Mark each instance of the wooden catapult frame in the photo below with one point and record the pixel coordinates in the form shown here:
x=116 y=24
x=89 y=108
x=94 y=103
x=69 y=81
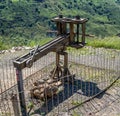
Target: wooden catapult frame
x=61 y=24
x=68 y=31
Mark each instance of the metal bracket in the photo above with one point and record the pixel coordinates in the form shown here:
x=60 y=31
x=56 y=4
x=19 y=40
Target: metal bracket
x=29 y=63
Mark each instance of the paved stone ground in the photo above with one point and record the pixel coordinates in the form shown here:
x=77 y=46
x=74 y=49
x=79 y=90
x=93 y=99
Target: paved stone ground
x=111 y=103
x=107 y=105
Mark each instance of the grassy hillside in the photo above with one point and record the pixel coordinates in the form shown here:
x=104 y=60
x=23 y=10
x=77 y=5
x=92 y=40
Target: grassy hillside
x=27 y=21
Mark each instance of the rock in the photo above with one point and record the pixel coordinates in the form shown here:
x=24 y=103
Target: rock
x=36 y=93
x=38 y=82
x=49 y=81
x=51 y=91
x=42 y=89
x=34 y=88
x=12 y=51
x=58 y=83
x=27 y=48
x=45 y=85
x=41 y=86
x=2 y=51
x=6 y=51
x=18 y=48
x=41 y=81
x=35 y=83
x=56 y=78
x=13 y=48
x=42 y=96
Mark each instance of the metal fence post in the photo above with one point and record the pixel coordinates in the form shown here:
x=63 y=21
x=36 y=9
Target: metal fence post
x=21 y=92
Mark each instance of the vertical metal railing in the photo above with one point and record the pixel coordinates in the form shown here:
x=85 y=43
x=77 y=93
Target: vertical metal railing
x=94 y=70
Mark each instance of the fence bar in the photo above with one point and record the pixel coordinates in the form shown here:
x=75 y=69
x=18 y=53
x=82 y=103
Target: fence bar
x=21 y=91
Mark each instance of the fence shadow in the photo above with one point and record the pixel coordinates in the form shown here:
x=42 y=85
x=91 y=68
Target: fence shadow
x=80 y=87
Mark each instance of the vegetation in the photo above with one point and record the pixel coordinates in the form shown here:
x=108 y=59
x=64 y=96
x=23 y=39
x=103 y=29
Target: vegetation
x=25 y=22
x=75 y=102
x=107 y=42
x=76 y=114
x=40 y=42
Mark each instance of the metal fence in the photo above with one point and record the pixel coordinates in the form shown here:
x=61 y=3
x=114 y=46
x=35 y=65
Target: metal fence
x=94 y=70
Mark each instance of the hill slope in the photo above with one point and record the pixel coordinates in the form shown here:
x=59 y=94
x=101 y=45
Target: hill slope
x=21 y=21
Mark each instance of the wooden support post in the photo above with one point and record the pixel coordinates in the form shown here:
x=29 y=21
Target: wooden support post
x=15 y=105
x=83 y=33
x=77 y=33
x=21 y=92
x=57 y=63
x=65 y=66
x=78 y=18
x=60 y=24
x=68 y=77
x=66 y=70
x=71 y=32
x=64 y=28
x=57 y=58
x=65 y=60
x=58 y=28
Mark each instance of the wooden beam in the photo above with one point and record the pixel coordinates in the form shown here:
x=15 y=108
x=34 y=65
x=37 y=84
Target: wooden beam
x=64 y=28
x=53 y=45
x=71 y=32
x=57 y=58
x=83 y=33
x=65 y=60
